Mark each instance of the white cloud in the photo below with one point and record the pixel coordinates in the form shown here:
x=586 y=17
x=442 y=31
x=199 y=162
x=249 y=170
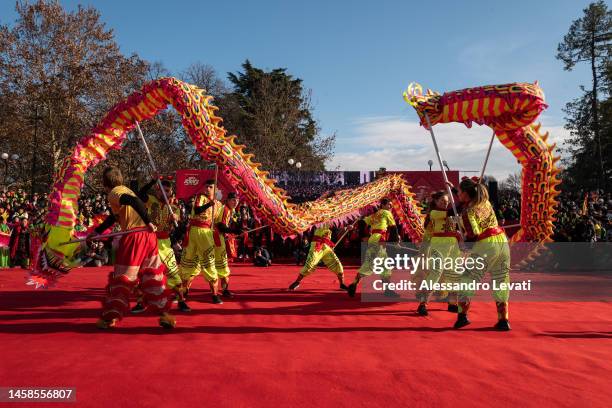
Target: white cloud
x=400 y=144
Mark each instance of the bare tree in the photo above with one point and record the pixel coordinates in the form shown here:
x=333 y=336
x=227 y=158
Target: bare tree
x=512 y=183
x=59 y=72
x=204 y=76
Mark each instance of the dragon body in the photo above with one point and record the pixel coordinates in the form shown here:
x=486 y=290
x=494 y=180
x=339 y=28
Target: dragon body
x=269 y=202
x=510 y=110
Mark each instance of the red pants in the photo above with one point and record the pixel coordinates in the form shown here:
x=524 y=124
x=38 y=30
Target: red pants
x=137 y=264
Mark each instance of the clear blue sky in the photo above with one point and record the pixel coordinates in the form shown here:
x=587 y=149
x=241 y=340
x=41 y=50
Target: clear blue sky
x=358 y=56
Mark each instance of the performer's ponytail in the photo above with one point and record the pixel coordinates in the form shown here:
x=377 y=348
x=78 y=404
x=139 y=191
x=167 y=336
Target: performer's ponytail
x=482 y=193
x=476 y=190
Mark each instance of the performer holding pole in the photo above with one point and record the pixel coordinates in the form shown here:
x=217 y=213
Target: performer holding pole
x=223 y=226
x=137 y=260
x=443 y=244
x=382 y=225
x=163 y=219
x=154 y=168
x=322 y=249
x=439 y=156
x=199 y=250
x=490 y=245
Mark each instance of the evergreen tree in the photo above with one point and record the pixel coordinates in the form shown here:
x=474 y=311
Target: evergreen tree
x=271 y=113
x=589 y=40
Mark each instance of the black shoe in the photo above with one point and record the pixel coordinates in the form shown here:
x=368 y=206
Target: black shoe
x=453 y=308
x=227 y=293
x=183 y=306
x=422 y=310
x=352 y=289
x=503 y=325
x=216 y=299
x=139 y=308
x=462 y=321
x=391 y=293
x=294 y=286
x=343 y=287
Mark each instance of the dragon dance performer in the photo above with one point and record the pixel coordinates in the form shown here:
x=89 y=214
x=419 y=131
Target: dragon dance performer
x=223 y=226
x=443 y=243
x=490 y=244
x=321 y=249
x=137 y=262
x=164 y=221
x=199 y=252
x=383 y=229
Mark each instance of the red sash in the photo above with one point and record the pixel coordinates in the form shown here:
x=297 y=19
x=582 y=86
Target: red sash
x=217 y=237
x=320 y=241
x=490 y=232
x=194 y=223
x=447 y=235
x=201 y=224
x=162 y=234
x=383 y=234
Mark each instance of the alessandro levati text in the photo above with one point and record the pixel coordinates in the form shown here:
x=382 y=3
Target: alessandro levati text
x=406 y=285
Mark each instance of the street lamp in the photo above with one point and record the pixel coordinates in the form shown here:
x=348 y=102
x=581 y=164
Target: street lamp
x=5 y=157
x=298 y=165
x=445 y=164
x=430 y=162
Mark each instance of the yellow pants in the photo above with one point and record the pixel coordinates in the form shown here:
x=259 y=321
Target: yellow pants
x=439 y=250
x=375 y=249
x=221 y=263
x=496 y=252
x=199 y=256
x=327 y=255
x=166 y=254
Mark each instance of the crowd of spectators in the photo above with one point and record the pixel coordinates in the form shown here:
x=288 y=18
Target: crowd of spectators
x=580 y=218
x=302 y=192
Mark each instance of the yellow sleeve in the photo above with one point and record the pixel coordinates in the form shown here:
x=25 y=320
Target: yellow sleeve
x=470 y=224
x=390 y=219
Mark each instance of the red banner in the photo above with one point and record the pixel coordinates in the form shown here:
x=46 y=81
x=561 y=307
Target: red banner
x=191 y=182
x=423 y=183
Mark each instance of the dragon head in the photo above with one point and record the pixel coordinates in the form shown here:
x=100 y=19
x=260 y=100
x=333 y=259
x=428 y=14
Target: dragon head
x=428 y=103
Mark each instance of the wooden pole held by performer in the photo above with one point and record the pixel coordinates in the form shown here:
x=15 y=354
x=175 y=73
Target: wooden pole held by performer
x=255 y=229
x=346 y=232
x=212 y=220
x=484 y=166
x=446 y=182
x=99 y=237
x=159 y=183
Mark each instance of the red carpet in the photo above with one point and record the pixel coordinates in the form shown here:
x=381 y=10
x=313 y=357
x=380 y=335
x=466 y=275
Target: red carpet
x=315 y=347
